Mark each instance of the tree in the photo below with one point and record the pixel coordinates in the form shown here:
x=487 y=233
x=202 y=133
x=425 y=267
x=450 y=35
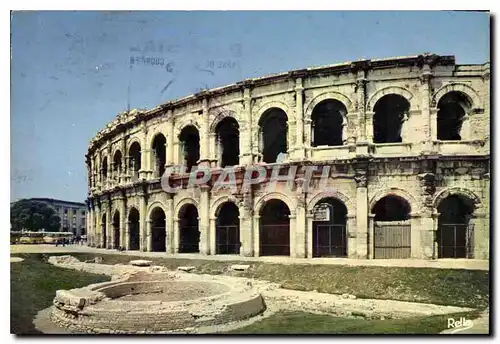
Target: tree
x=34 y=216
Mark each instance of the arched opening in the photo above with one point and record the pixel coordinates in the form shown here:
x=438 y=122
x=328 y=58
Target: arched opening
x=190 y=146
x=327 y=123
x=275 y=229
x=105 y=168
x=189 y=231
x=158 y=230
x=392 y=228
x=135 y=159
x=330 y=229
x=116 y=230
x=455 y=232
x=228 y=229
x=228 y=142
x=390 y=113
x=104 y=234
x=134 y=233
x=273 y=129
x=453 y=107
x=117 y=164
x=159 y=154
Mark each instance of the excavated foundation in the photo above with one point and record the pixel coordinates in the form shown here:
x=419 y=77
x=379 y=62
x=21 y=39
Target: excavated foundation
x=155 y=302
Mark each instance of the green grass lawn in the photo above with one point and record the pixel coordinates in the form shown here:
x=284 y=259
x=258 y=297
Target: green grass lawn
x=307 y=323
x=34 y=283
x=463 y=288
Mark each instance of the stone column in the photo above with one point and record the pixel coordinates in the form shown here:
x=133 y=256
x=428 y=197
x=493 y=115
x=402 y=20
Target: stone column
x=362 y=211
x=256 y=231
x=369 y=126
x=426 y=114
x=309 y=220
x=142 y=222
x=109 y=227
x=352 y=237
x=300 y=222
x=427 y=234
x=127 y=235
x=371 y=236
x=212 y=236
x=123 y=223
x=246 y=225
x=149 y=237
x=90 y=224
x=204 y=136
x=246 y=131
x=204 y=220
x=215 y=154
x=299 y=119
x=145 y=153
x=293 y=229
x=416 y=249
x=361 y=100
x=481 y=237
x=176 y=235
x=124 y=170
x=433 y=124
x=169 y=224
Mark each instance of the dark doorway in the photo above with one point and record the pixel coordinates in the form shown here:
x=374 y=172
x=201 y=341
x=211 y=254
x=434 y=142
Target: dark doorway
x=158 y=230
x=455 y=232
x=330 y=237
x=104 y=168
x=116 y=230
x=159 y=151
x=452 y=109
x=117 y=165
x=228 y=229
x=392 y=228
x=228 y=142
x=327 y=119
x=388 y=119
x=190 y=146
x=134 y=232
x=275 y=229
x=189 y=230
x=273 y=134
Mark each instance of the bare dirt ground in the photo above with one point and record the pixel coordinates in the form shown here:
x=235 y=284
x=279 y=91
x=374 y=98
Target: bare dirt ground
x=468 y=264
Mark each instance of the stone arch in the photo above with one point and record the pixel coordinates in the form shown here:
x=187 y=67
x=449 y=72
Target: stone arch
x=269 y=105
x=466 y=90
x=131 y=142
x=184 y=123
x=326 y=96
x=217 y=204
x=129 y=210
x=276 y=195
x=182 y=203
x=443 y=194
x=332 y=194
x=403 y=92
x=154 y=135
x=153 y=205
x=414 y=209
x=222 y=114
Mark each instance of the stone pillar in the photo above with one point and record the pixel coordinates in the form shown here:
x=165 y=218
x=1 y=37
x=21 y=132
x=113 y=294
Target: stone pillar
x=127 y=236
x=176 y=235
x=300 y=234
x=149 y=237
x=123 y=223
x=90 y=224
x=369 y=126
x=170 y=159
x=256 y=232
x=427 y=234
x=145 y=153
x=309 y=234
x=215 y=154
x=352 y=236
x=246 y=225
x=97 y=238
x=426 y=114
x=124 y=170
x=362 y=211
x=204 y=220
x=169 y=225
x=109 y=226
x=246 y=144
x=465 y=132
x=481 y=236
x=371 y=236
x=361 y=100
x=212 y=235
x=435 y=245
x=204 y=136
x=299 y=120
x=142 y=222
x=293 y=230
x=416 y=229
x=433 y=124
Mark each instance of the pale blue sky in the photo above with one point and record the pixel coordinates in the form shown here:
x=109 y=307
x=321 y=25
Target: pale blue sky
x=71 y=70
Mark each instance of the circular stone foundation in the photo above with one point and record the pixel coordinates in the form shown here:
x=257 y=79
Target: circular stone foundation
x=152 y=303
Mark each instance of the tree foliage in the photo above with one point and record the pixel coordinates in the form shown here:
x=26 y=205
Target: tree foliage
x=33 y=216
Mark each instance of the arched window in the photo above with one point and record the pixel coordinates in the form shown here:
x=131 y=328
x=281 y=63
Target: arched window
x=135 y=158
x=327 y=123
x=391 y=111
x=159 y=151
x=453 y=107
x=228 y=142
x=190 y=146
x=273 y=134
